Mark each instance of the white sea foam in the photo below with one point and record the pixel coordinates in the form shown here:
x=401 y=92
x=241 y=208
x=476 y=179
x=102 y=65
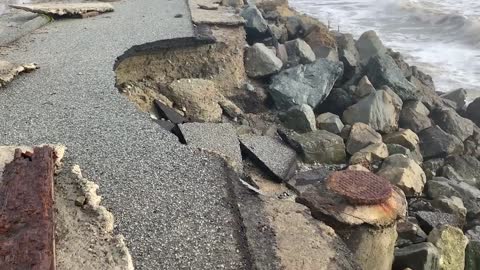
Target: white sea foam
x=440 y=36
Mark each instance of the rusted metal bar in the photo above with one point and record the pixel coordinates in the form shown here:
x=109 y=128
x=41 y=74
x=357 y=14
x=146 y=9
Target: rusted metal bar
x=26 y=212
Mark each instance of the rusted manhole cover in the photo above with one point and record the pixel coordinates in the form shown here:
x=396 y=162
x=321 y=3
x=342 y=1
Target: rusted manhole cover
x=360 y=187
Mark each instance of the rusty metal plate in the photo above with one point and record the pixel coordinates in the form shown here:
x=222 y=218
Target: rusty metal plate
x=26 y=211
x=360 y=187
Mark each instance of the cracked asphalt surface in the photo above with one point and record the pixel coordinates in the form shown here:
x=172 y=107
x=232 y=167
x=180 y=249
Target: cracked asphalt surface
x=171 y=202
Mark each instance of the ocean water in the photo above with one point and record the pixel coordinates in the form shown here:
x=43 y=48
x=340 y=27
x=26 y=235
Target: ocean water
x=442 y=37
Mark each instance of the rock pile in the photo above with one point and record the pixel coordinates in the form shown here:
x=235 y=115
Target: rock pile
x=333 y=102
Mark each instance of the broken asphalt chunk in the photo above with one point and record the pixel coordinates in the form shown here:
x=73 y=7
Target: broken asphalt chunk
x=169 y=114
x=65 y=9
x=271 y=155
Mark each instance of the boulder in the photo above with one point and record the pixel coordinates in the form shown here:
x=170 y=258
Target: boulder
x=451 y=122
x=458 y=96
x=472 y=253
x=330 y=122
x=437 y=189
x=232 y=3
x=473 y=111
x=436 y=143
x=398 y=149
x=432 y=167
x=304 y=84
x=317 y=38
x=369 y=45
x=409 y=233
x=271 y=155
x=279 y=32
x=370 y=154
x=364 y=88
x=317 y=146
x=467 y=167
x=414 y=116
x=295 y=27
x=422 y=256
x=299 y=118
x=450 y=205
x=404 y=173
x=199 y=98
x=406 y=138
x=260 y=61
x=299 y=52
x=346 y=42
x=382 y=70
x=255 y=24
x=337 y=102
x=428 y=220
x=361 y=136
x=451 y=244
x=303 y=181
x=377 y=110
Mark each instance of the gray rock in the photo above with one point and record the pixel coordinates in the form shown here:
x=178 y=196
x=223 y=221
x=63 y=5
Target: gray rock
x=281 y=52
x=369 y=45
x=317 y=146
x=414 y=116
x=295 y=27
x=299 y=52
x=432 y=167
x=254 y=22
x=409 y=233
x=436 y=143
x=337 y=102
x=304 y=84
x=382 y=70
x=232 y=3
x=299 y=118
x=473 y=111
x=303 y=181
x=361 y=136
x=330 y=122
x=450 y=173
x=450 y=205
x=346 y=43
x=451 y=122
x=437 y=189
x=472 y=253
x=431 y=220
x=260 y=61
x=458 y=96
x=271 y=155
x=345 y=133
x=422 y=256
x=397 y=149
x=220 y=138
x=377 y=110
x=364 y=88
x=279 y=32
x=467 y=167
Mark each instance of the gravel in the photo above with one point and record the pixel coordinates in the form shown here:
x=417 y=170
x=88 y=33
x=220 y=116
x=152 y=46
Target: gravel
x=171 y=202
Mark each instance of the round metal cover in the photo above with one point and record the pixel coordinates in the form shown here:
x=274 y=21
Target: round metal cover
x=360 y=187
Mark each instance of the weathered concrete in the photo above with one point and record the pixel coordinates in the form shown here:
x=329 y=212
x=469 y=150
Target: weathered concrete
x=65 y=9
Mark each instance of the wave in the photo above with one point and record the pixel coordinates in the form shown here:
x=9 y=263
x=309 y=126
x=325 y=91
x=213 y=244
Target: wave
x=450 y=23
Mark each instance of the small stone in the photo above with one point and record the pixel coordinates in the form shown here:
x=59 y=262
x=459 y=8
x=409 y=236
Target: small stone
x=330 y=122
x=451 y=244
x=300 y=118
x=80 y=201
x=260 y=61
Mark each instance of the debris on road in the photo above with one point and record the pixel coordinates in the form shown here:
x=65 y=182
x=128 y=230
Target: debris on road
x=66 y=9
x=8 y=71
